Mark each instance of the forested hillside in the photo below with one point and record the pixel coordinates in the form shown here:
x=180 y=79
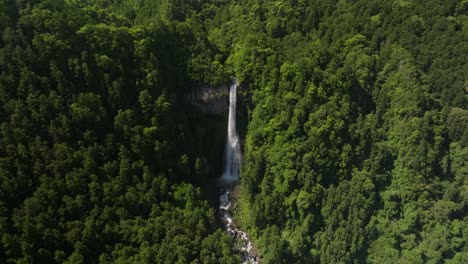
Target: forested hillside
x=357 y=142
x=356 y=135
x=100 y=160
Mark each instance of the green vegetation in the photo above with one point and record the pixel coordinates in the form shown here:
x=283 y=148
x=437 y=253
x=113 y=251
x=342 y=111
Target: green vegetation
x=100 y=158
x=357 y=143
x=356 y=135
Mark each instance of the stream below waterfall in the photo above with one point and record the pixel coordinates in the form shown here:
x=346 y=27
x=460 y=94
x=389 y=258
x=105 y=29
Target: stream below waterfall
x=239 y=236
x=230 y=178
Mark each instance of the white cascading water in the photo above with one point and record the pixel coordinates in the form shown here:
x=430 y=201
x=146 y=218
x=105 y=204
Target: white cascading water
x=230 y=177
x=233 y=154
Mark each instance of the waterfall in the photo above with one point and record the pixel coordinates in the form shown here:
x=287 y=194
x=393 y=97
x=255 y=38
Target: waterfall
x=230 y=178
x=233 y=153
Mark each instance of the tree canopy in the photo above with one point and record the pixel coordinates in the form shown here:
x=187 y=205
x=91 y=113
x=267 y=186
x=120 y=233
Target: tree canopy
x=353 y=117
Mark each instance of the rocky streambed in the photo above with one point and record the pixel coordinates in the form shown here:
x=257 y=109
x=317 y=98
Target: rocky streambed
x=247 y=251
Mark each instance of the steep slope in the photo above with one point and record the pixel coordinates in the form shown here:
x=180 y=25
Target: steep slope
x=356 y=144
x=101 y=159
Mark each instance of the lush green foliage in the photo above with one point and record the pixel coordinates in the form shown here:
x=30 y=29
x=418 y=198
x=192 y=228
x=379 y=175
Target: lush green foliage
x=100 y=158
x=356 y=147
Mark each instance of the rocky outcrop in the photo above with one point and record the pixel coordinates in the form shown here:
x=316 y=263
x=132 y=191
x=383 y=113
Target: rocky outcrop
x=212 y=100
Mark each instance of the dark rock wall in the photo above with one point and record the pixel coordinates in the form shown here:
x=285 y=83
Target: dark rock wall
x=212 y=100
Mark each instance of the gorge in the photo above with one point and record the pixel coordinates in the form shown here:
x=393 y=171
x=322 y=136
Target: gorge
x=125 y=139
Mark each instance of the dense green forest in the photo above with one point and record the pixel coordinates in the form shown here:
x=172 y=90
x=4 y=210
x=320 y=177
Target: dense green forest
x=354 y=119
x=99 y=161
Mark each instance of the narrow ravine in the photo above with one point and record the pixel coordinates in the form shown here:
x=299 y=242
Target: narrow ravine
x=239 y=236
x=230 y=178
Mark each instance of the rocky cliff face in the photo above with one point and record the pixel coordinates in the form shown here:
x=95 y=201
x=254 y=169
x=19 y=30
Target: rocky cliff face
x=212 y=100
